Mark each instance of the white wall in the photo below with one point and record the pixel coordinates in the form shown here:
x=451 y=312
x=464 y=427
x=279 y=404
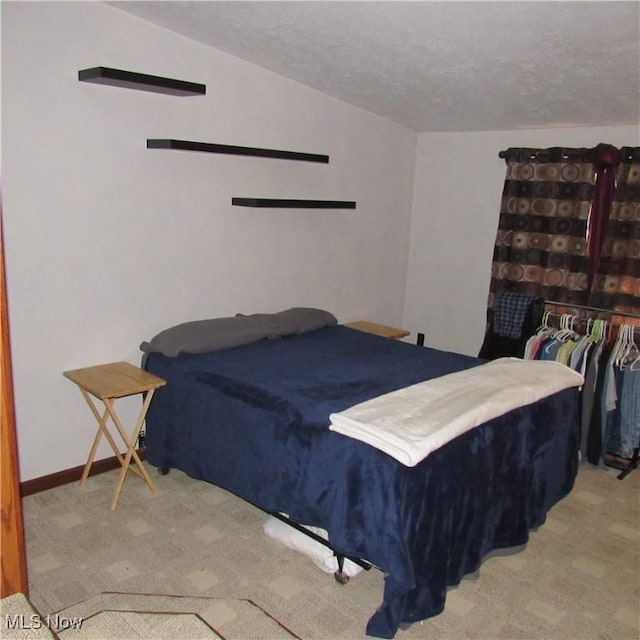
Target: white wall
x=107 y=242
x=458 y=187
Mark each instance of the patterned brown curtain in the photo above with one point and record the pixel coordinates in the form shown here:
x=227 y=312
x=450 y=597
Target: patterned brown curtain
x=541 y=244
x=617 y=284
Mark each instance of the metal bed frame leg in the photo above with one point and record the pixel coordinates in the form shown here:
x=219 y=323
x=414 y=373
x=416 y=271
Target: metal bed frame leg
x=340 y=575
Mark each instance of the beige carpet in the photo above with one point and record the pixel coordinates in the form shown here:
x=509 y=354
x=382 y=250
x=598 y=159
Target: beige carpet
x=578 y=577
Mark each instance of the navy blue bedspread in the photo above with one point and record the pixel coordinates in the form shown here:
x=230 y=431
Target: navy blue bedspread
x=254 y=420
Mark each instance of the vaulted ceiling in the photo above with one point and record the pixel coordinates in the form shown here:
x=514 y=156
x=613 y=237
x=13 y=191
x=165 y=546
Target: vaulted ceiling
x=436 y=66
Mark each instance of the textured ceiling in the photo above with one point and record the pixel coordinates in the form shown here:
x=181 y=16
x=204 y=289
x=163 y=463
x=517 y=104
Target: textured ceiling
x=437 y=66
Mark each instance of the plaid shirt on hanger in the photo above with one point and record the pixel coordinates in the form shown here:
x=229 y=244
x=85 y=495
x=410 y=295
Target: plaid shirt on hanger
x=510 y=313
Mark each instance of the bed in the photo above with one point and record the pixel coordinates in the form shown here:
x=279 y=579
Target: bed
x=252 y=416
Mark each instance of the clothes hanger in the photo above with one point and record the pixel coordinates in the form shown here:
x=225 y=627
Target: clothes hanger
x=558 y=331
x=602 y=330
x=599 y=329
x=631 y=351
x=625 y=345
x=633 y=366
x=567 y=331
x=544 y=327
x=617 y=347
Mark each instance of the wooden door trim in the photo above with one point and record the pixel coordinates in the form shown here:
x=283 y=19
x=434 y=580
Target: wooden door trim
x=13 y=562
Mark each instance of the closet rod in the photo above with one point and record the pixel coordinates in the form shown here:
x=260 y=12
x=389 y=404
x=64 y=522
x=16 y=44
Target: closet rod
x=588 y=308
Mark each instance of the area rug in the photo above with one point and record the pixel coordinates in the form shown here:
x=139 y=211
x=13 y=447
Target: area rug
x=133 y=616
x=19 y=620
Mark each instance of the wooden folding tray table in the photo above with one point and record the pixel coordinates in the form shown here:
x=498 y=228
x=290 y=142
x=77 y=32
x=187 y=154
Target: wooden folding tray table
x=107 y=382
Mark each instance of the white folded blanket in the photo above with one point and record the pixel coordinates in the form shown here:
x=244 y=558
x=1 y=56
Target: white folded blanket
x=412 y=422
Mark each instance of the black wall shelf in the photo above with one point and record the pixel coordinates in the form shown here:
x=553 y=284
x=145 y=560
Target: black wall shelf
x=207 y=147
x=292 y=204
x=140 y=81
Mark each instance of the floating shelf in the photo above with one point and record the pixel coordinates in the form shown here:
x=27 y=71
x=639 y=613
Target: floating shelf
x=293 y=204
x=187 y=145
x=141 y=81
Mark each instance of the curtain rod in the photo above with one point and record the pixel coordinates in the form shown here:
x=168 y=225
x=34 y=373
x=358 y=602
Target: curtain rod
x=588 y=308
x=565 y=152
x=627 y=154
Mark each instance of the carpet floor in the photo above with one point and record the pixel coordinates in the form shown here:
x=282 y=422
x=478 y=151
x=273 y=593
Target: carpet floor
x=192 y=543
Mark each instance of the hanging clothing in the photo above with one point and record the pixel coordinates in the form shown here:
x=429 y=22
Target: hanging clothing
x=630 y=411
x=610 y=396
x=596 y=427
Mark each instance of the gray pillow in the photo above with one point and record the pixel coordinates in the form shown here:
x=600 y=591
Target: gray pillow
x=201 y=336
x=301 y=320
x=293 y=321
x=265 y=320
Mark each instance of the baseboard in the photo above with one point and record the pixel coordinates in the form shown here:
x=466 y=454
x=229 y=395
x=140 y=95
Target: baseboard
x=57 y=479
